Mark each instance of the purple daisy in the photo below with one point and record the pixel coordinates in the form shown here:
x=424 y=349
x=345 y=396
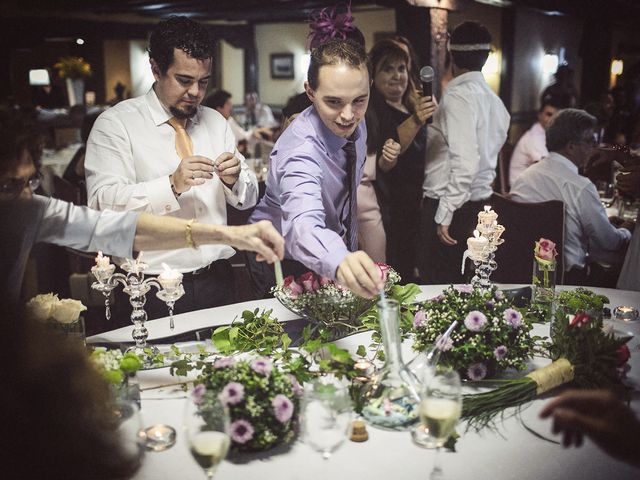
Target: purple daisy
x=198 y=393
x=224 y=362
x=282 y=408
x=513 y=317
x=499 y=295
x=419 y=319
x=232 y=393
x=296 y=388
x=241 y=431
x=490 y=304
x=464 y=288
x=475 y=321
x=438 y=298
x=500 y=352
x=477 y=371
x=262 y=365
x=444 y=344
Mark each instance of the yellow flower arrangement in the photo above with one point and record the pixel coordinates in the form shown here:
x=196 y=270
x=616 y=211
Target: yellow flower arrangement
x=73 y=67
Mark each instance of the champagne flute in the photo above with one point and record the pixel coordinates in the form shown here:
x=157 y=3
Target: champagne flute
x=206 y=426
x=440 y=410
x=326 y=415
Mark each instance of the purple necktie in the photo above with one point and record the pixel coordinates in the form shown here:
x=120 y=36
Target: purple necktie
x=352 y=217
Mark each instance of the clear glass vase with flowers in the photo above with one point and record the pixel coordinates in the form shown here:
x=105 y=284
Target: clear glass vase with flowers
x=544 y=271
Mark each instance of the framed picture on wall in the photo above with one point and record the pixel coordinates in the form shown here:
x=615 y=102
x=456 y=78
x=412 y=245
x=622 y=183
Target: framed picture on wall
x=282 y=66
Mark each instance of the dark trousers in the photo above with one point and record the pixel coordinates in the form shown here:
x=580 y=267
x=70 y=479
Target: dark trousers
x=439 y=263
x=403 y=236
x=212 y=287
x=263 y=276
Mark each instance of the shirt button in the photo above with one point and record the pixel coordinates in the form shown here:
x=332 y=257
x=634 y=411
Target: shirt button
x=167 y=208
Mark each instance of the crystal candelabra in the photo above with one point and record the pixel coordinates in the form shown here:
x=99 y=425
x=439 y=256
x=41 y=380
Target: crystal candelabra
x=482 y=246
x=168 y=284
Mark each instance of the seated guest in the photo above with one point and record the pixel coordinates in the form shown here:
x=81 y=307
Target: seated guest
x=221 y=102
x=531 y=147
x=316 y=167
x=628 y=183
x=27 y=219
x=73 y=431
x=588 y=232
x=256 y=114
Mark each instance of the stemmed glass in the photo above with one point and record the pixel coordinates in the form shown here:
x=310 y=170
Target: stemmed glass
x=206 y=425
x=440 y=410
x=326 y=415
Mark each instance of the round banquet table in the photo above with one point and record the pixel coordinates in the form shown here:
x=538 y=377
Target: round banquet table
x=510 y=452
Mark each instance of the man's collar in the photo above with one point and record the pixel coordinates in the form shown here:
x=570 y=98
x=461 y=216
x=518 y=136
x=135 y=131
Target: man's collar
x=333 y=142
x=562 y=160
x=466 y=77
x=159 y=113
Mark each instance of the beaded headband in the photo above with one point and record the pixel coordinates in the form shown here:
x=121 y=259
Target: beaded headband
x=469 y=47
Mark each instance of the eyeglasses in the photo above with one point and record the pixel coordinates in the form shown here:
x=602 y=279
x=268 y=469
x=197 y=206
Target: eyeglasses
x=12 y=187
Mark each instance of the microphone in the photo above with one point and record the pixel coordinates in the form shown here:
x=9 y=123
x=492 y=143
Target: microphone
x=426 y=76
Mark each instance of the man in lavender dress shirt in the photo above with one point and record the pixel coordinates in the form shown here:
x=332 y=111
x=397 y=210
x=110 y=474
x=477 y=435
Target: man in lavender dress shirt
x=307 y=194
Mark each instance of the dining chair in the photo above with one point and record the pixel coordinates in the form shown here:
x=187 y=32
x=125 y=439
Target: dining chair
x=525 y=224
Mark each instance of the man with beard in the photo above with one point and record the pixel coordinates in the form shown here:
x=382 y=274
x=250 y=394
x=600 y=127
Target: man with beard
x=164 y=153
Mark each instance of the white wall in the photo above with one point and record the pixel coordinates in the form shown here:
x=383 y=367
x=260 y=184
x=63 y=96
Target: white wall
x=232 y=71
x=292 y=38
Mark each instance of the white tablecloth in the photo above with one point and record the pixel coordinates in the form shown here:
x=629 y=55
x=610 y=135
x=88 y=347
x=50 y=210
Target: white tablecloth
x=510 y=453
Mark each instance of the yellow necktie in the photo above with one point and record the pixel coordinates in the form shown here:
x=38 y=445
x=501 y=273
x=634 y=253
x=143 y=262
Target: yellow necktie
x=184 y=145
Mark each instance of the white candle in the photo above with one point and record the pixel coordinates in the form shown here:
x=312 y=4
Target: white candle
x=486 y=218
x=102 y=261
x=169 y=279
x=476 y=245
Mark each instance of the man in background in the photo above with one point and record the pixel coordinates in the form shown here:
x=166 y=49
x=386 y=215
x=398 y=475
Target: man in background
x=588 y=234
x=164 y=153
x=468 y=131
x=531 y=147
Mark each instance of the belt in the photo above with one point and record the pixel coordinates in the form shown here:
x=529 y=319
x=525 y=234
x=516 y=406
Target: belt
x=206 y=268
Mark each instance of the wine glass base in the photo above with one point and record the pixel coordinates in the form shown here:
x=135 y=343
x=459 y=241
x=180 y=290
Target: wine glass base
x=420 y=436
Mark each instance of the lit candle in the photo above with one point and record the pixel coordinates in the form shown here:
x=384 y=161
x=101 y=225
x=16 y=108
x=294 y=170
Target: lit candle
x=169 y=279
x=102 y=261
x=160 y=437
x=498 y=230
x=486 y=218
x=477 y=245
x=625 y=313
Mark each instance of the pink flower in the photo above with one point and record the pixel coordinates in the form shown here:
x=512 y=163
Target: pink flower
x=444 y=344
x=500 y=352
x=545 y=249
x=477 y=371
x=294 y=289
x=282 y=408
x=512 y=317
x=419 y=319
x=325 y=281
x=296 y=388
x=579 y=319
x=262 y=365
x=241 y=431
x=475 y=321
x=224 y=362
x=464 y=288
x=309 y=282
x=623 y=354
x=232 y=393
x=384 y=270
x=198 y=393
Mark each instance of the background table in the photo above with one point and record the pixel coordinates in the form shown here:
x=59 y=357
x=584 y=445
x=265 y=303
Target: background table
x=512 y=452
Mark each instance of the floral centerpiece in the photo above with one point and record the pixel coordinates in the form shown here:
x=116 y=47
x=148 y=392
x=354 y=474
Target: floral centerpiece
x=493 y=336
x=62 y=315
x=325 y=302
x=544 y=270
x=583 y=354
x=118 y=369
x=72 y=67
x=263 y=401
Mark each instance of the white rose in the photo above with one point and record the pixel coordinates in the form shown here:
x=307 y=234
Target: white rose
x=41 y=307
x=68 y=310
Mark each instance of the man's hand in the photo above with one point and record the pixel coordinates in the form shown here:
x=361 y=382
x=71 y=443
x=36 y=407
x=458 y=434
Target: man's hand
x=389 y=156
x=263 y=133
x=445 y=238
x=628 y=181
x=192 y=171
x=359 y=274
x=599 y=415
x=425 y=108
x=261 y=238
x=227 y=167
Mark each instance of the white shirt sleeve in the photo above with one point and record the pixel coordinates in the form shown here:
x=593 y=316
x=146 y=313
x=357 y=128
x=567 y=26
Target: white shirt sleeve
x=110 y=170
x=596 y=225
x=244 y=193
x=464 y=157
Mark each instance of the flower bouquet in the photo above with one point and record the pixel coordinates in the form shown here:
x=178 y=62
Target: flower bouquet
x=263 y=401
x=544 y=270
x=63 y=316
x=493 y=336
x=72 y=67
x=583 y=354
x=327 y=303
x=118 y=369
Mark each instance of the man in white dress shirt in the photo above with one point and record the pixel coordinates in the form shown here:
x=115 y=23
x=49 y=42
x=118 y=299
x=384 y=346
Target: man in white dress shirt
x=163 y=153
x=531 y=147
x=587 y=230
x=468 y=130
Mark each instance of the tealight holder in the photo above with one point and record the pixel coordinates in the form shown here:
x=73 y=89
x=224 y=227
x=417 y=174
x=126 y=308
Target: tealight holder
x=625 y=313
x=159 y=437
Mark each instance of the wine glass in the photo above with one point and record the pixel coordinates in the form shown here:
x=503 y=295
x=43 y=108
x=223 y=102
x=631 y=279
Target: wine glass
x=326 y=415
x=206 y=425
x=440 y=410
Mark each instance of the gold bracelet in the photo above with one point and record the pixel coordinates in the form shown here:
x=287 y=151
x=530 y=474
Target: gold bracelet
x=188 y=234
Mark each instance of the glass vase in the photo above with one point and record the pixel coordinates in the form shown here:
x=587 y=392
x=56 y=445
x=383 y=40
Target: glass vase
x=544 y=281
x=393 y=399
